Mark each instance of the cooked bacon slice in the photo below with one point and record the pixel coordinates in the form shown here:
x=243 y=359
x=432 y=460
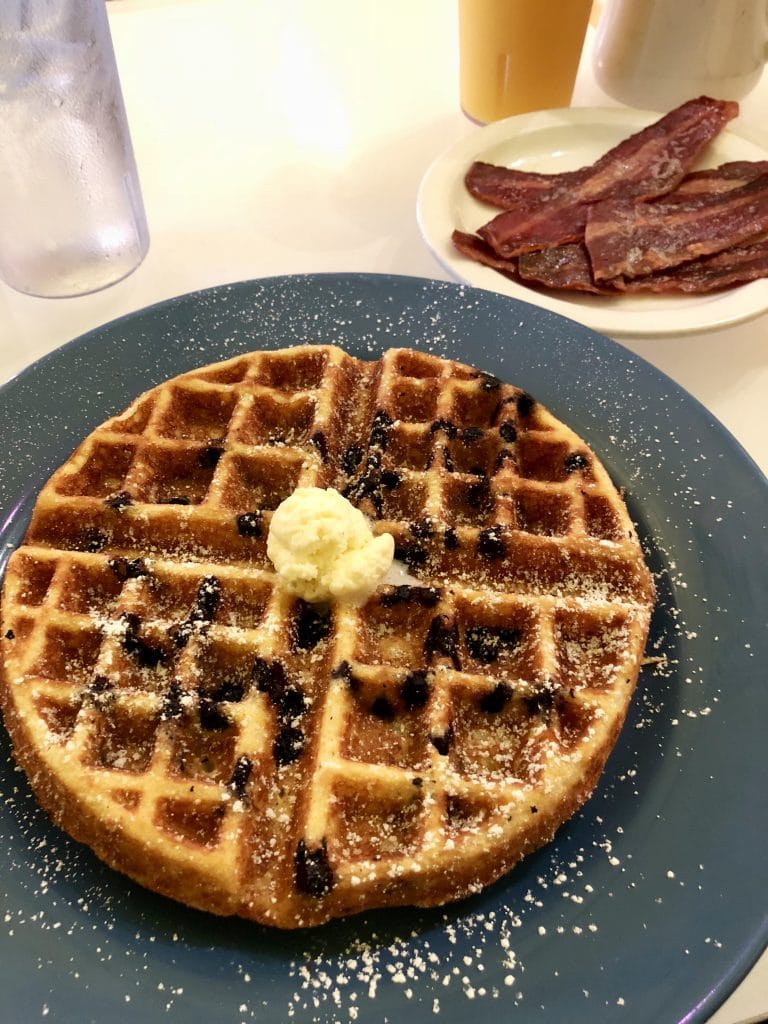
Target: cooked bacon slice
x=481 y=252
x=527 y=229
x=646 y=165
x=628 y=239
x=565 y=267
x=568 y=267
x=714 y=180
x=505 y=187
x=737 y=265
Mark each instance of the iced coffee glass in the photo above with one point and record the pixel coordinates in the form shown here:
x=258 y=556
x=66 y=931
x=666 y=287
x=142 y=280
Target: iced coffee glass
x=519 y=55
x=71 y=213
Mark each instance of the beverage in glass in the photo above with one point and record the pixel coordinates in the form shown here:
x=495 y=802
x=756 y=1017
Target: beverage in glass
x=71 y=213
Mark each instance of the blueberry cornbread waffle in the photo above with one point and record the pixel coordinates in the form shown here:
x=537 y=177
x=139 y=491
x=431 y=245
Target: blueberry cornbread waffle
x=231 y=745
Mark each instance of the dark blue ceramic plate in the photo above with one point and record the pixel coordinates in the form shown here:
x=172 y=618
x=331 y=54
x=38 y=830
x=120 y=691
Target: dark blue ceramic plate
x=650 y=904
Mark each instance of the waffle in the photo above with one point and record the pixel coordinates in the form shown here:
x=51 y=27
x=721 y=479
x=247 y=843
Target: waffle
x=229 y=745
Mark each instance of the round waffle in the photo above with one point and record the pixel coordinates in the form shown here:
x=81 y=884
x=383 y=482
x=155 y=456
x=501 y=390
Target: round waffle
x=240 y=750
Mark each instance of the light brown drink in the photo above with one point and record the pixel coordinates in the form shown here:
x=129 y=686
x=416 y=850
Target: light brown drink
x=519 y=55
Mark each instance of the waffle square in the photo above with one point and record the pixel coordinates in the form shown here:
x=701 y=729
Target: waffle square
x=244 y=752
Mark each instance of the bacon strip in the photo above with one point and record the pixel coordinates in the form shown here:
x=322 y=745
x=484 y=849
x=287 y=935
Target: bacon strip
x=738 y=265
x=646 y=158
x=565 y=267
x=527 y=229
x=505 y=187
x=568 y=267
x=479 y=251
x=646 y=165
x=628 y=239
x=714 y=180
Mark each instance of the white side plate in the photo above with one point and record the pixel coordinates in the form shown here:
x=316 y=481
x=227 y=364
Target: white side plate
x=551 y=141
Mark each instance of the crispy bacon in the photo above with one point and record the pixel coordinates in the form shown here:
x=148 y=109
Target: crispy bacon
x=648 y=159
x=737 y=265
x=629 y=239
x=709 y=232
x=568 y=267
x=527 y=229
x=714 y=180
x=505 y=187
x=565 y=267
x=479 y=251
x=646 y=165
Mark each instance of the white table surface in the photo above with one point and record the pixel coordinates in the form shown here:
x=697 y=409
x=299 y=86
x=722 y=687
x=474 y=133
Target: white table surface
x=290 y=137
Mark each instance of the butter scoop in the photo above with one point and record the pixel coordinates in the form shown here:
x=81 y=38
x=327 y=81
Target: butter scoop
x=323 y=547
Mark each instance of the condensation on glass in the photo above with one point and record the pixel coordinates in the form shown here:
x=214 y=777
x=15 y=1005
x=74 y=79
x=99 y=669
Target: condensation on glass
x=72 y=219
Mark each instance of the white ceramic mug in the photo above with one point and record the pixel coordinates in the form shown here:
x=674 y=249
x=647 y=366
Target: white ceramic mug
x=659 y=53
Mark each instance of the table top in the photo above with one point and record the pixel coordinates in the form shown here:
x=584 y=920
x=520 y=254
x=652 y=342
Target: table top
x=292 y=137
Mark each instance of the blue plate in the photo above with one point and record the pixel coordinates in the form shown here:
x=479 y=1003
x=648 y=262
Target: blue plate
x=649 y=905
